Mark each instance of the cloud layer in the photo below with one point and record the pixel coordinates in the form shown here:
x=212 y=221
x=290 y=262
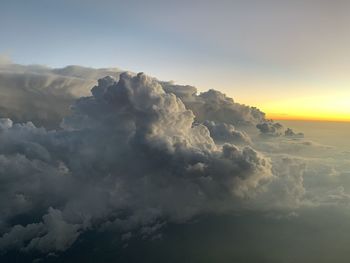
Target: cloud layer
x=43 y=95
x=138 y=154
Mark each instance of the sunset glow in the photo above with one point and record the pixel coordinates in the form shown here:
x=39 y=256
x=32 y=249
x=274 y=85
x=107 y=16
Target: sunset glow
x=329 y=108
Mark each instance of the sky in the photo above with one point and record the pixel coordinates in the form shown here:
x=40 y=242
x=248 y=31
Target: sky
x=289 y=58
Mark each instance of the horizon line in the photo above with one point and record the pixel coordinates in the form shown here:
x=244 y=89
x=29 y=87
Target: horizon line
x=307 y=119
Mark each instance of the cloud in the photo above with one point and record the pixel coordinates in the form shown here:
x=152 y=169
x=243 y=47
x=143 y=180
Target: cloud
x=289 y=132
x=138 y=155
x=134 y=152
x=222 y=132
x=51 y=234
x=271 y=128
x=215 y=106
x=43 y=95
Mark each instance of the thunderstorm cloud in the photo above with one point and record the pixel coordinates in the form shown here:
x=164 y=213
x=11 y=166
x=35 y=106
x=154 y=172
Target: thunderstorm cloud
x=137 y=154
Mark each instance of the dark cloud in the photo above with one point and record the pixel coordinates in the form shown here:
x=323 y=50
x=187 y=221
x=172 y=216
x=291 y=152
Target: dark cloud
x=134 y=154
x=271 y=128
x=289 y=132
x=222 y=132
x=138 y=157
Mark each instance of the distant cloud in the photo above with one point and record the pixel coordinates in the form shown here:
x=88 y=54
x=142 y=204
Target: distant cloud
x=271 y=128
x=215 y=106
x=41 y=94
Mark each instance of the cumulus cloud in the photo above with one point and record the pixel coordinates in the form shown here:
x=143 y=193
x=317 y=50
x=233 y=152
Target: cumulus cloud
x=134 y=152
x=271 y=128
x=215 y=106
x=138 y=154
x=43 y=95
x=289 y=132
x=223 y=132
x=51 y=234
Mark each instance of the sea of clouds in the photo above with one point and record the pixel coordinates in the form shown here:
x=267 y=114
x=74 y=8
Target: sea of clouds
x=137 y=154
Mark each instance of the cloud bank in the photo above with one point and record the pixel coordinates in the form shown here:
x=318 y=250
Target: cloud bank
x=43 y=95
x=130 y=148
x=138 y=154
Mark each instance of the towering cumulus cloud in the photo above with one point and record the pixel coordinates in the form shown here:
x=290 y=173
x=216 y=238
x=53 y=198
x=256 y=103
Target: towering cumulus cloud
x=137 y=157
x=129 y=156
x=215 y=106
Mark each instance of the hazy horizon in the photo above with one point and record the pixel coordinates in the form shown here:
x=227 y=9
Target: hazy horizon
x=270 y=115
